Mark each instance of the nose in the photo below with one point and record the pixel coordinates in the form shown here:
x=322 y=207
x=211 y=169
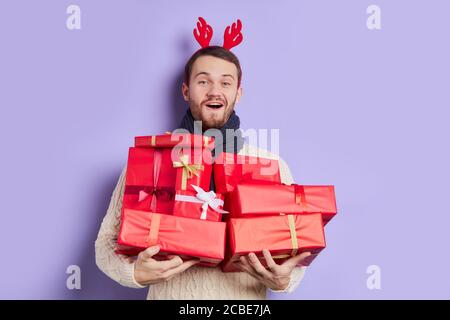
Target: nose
x=214 y=91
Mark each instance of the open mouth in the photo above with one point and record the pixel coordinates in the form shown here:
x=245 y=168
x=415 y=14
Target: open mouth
x=214 y=105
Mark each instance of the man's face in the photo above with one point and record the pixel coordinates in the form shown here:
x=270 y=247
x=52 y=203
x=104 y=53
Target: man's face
x=213 y=91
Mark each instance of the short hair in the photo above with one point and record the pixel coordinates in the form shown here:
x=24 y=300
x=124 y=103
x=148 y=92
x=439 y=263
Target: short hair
x=214 y=51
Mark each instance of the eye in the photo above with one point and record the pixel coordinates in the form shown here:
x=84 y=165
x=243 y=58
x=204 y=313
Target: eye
x=226 y=84
x=202 y=82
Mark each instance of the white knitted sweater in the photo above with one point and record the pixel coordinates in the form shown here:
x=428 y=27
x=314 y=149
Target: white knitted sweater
x=194 y=283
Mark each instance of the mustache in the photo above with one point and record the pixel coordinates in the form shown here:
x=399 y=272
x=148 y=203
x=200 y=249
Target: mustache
x=214 y=100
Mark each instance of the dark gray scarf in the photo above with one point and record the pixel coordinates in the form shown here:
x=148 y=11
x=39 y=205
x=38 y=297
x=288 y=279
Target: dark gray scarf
x=228 y=146
x=233 y=123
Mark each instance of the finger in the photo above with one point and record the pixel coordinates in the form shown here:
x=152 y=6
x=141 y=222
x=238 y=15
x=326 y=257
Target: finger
x=185 y=265
x=257 y=266
x=271 y=264
x=237 y=264
x=245 y=262
x=308 y=259
x=148 y=253
x=242 y=259
x=241 y=266
x=173 y=262
x=292 y=262
x=246 y=267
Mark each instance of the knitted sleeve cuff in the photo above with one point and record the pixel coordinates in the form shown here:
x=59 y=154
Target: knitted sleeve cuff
x=127 y=276
x=296 y=277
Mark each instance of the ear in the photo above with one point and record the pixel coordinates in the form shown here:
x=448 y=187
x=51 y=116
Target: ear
x=239 y=94
x=185 y=91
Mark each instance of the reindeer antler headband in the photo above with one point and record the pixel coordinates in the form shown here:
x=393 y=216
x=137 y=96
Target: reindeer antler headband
x=231 y=37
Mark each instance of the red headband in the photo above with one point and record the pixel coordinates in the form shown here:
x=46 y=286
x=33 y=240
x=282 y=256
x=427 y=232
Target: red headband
x=231 y=37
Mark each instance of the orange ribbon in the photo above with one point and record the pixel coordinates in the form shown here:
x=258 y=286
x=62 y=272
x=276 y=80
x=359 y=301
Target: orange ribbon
x=294 y=240
x=154 y=230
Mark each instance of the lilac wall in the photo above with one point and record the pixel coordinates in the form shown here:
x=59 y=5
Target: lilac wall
x=366 y=110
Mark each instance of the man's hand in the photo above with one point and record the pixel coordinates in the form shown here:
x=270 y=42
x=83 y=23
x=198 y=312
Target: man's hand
x=276 y=277
x=149 y=271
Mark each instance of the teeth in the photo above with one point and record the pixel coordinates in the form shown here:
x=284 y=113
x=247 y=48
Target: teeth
x=214 y=105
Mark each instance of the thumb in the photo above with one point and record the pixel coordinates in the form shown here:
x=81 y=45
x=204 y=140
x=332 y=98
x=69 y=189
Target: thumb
x=298 y=259
x=150 y=252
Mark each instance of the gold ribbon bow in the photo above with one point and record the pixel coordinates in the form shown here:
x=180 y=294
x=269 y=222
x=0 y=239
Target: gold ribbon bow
x=188 y=169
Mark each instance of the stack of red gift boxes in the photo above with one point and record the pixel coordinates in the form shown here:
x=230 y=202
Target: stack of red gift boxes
x=167 y=202
x=166 y=199
x=266 y=214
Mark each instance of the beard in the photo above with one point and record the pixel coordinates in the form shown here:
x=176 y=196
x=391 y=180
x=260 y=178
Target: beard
x=212 y=118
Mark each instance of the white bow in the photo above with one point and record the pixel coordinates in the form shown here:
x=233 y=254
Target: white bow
x=207 y=199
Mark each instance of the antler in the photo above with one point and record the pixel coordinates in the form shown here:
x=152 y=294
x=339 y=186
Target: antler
x=203 y=33
x=233 y=37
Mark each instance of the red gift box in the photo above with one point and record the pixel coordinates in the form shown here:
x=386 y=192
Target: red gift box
x=231 y=169
x=193 y=169
x=175 y=140
x=199 y=205
x=189 y=238
x=284 y=236
x=150 y=180
x=252 y=199
x=154 y=173
x=191 y=156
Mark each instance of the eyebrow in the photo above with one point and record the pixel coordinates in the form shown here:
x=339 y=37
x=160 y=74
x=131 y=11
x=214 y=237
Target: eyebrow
x=228 y=75
x=207 y=74
x=200 y=73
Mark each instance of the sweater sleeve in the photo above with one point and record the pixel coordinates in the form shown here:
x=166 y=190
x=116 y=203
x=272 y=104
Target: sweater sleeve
x=116 y=266
x=298 y=272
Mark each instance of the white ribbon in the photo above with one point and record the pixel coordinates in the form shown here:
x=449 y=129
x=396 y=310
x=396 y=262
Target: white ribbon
x=207 y=199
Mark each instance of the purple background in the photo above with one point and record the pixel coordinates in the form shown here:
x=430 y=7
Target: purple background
x=364 y=110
